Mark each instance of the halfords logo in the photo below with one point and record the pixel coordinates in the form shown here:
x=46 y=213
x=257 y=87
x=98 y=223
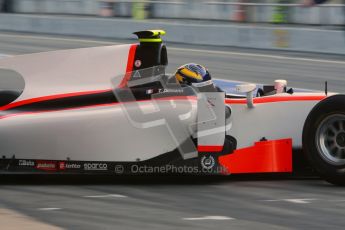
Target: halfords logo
x=46 y=165
x=26 y=163
x=95 y=166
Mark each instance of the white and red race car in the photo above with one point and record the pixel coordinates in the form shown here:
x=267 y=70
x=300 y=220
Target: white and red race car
x=113 y=109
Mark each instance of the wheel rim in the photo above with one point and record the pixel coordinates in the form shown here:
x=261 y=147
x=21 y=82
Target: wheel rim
x=330 y=139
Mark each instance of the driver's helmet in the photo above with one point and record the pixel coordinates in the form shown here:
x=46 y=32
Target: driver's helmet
x=192 y=73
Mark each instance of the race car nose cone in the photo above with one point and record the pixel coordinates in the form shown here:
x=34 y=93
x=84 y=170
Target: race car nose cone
x=341 y=139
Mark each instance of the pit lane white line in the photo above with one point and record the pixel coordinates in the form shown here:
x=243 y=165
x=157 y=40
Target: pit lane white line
x=4 y=55
x=49 y=209
x=209 y=218
x=258 y=55
x=106 y=195
x=58 y=39
x=295 y=201
x=183 y=49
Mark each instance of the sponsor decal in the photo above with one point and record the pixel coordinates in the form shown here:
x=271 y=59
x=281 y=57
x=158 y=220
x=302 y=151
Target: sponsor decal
x=62 y=165
x=119 y=169
x=67 y=165
x=26 y=163
x=210 y=102
x=137 y=63
x=96 y=166
x=170 y=90
x=208 y=162
x=72 y=166
x=46 y=165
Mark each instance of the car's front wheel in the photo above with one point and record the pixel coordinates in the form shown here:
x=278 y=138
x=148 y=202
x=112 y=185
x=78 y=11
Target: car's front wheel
x=324 y=139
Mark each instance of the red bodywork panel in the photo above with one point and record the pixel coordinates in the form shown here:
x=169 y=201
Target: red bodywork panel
x=202 y=148
x=129 y=69
x=264 y=157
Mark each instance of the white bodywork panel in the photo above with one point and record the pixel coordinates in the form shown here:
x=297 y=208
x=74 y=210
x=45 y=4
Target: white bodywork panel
x=69 y=71
x=94 y=134
x=211 y=119
x=272 y=120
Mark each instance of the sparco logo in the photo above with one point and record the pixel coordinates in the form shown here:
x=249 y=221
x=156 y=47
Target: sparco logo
x=26 y=163
x=95 y=166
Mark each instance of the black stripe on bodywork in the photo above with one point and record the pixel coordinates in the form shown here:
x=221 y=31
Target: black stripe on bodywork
x=64 y=103
x=108 y=97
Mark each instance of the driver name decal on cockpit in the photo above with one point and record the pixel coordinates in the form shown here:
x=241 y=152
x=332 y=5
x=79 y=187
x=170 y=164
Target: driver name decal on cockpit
x=170 y=90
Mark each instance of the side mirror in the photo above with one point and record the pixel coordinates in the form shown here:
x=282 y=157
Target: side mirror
x=248 y=89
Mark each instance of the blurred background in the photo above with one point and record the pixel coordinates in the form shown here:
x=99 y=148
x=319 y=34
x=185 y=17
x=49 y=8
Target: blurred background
x=250 y=11
x=298 y=25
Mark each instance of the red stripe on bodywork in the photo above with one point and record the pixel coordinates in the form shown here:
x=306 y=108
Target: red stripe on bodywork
x=47 y=111
x=259 y=100
x=130 y=64
x=228 y=101
x=202 y=148
x=51 y=97
x=263 y=157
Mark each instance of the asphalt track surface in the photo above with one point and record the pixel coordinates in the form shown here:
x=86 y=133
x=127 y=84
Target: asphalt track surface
x=251 y=202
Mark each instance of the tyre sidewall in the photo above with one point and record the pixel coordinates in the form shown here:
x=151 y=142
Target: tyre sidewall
x=330 y=106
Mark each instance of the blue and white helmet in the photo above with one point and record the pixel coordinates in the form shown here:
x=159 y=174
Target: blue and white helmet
x=192 y=73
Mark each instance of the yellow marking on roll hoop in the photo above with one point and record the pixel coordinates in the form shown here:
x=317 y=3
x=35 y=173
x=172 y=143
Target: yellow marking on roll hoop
x=150 y=40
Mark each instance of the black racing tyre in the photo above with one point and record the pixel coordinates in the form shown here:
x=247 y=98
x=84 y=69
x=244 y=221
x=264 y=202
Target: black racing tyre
x=324 y=139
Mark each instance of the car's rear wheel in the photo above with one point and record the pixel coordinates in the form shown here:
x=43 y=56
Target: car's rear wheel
x=324 y=139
